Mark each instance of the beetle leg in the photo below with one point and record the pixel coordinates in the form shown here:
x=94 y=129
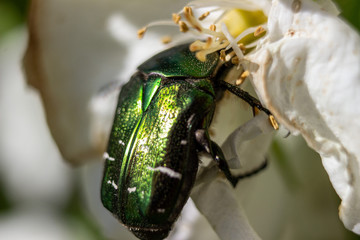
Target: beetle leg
x=254 y=171
x=216 y=153
x=221 y=161
x=252 y=101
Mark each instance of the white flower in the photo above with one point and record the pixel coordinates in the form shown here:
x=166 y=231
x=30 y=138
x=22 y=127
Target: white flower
x=305 y=70
x=309 y=78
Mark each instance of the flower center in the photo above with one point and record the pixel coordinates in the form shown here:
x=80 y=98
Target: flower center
x=233 y=40
x=234 y=32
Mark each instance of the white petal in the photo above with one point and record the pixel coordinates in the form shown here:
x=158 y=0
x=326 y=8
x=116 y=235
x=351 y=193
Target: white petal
x=216 y=200
x=34 y=224
x=31 y=166
x=328 y=6
x=249 y=143
x=309 y=78
x=75 y=49
x=91 y=175
x=247 y=5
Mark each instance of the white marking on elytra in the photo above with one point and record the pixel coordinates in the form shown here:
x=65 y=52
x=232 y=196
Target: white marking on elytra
x=183 y=142
x=113 y=184
x=106 y=156
x=121 y=142
x=161 y=210
x=131 y=190
x=168 y=171
x=189 y=121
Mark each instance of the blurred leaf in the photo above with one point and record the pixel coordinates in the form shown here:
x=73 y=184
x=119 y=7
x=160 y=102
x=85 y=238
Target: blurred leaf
x=5 y=204
x=76 y=210
x=287 y=170
x=12 y=13
x=350 y=10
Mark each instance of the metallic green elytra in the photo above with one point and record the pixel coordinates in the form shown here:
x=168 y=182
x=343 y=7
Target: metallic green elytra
x=161 y=124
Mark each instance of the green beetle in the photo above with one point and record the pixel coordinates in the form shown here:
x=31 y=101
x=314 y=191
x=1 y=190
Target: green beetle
x=161 y=124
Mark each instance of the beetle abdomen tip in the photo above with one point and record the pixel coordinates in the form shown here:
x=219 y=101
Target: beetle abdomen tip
x=150 y=234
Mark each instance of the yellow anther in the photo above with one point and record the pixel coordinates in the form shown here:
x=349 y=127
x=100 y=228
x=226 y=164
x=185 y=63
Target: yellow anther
x=141 y=32
x=222 y=55
x=166 y=39
x=196 y=46
x=208 y=43
x=188 y=13
x=242 y=78
x=183 y=26
x=235 y=60
x=273 y=122
x=245 y=74
x=204 y=15
x=259 y=31
x=201 y=56
x=239 y=81
x=213 y=27
x=176 y=18
x=242 y=47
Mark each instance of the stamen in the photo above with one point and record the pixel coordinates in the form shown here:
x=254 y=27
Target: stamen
x=204 y=15
x=239 y=81
x=166 y=39
x=253 y=44
x=196 y=46
x=246 y=32
x=199 y=45
x=201 y=55
x=235 y=60
x=229 y=56
x=222 y=55
x=242 y=47
x=208 y=43
x=188 y=11
x=232 y=42
x=191 y=19
x=218 y=35
x=176 y=18
x=141 y=32
x=217 y=40
x=259 y=31
x=245 y=74
x=183 y=27
x=242 y=77
x=273 y=122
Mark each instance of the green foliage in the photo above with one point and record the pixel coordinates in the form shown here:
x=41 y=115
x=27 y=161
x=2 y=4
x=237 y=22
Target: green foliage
x=12 y=13
x=350 y=10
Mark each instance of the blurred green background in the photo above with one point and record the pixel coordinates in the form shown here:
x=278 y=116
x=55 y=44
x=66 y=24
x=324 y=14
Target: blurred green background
x=13 y=14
